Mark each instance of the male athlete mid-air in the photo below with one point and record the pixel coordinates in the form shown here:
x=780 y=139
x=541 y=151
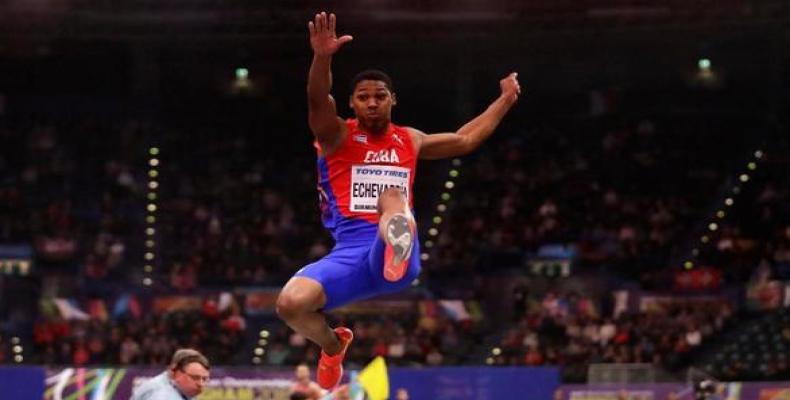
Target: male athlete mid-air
x=366 y=167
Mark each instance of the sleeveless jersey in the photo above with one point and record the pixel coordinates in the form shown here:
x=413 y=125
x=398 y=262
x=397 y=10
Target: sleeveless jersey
x=351 y=179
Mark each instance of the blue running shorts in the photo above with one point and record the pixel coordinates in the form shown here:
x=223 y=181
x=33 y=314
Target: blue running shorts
x=353 y=270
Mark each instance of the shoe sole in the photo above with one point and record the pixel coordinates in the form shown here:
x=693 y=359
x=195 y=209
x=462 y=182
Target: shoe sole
x=399 y=244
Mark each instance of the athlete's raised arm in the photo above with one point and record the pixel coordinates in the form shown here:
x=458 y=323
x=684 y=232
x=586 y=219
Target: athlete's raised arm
x=322 y=114
x=474 y=132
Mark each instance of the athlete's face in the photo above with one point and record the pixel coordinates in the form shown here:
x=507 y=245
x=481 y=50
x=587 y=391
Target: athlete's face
x=372 y=102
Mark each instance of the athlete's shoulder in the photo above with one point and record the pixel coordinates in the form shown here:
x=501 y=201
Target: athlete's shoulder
x=414 y=135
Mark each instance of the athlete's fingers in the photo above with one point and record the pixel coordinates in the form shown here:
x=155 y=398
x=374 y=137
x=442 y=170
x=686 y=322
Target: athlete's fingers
x=311 y=28
x=332 y=22
x=324 y=22
x=317 y=23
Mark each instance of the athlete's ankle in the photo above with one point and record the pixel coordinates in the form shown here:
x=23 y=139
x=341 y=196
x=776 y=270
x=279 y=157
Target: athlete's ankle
x=333 y=349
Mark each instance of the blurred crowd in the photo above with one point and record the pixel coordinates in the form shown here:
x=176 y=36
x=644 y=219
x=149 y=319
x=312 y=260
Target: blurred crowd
x=231 y=216
x=569 y=330
x=625 y=193
x=427 y=337
x=147 y=338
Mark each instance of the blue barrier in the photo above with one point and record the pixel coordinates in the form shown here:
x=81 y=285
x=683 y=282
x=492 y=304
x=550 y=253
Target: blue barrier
x=445 y=383
x=22 y=383
x=478 y=383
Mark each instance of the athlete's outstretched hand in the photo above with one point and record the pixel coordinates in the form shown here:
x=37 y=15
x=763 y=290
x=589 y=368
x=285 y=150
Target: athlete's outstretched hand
x=323 y=39
x=510 y=87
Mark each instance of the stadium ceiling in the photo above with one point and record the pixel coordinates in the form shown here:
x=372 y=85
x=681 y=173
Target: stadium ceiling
x=220 y=20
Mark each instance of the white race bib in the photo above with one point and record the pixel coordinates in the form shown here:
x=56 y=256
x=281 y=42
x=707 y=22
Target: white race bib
x=369 y=181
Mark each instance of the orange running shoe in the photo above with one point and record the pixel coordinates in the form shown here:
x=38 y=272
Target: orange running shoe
x=330 y=368
x=399 y=242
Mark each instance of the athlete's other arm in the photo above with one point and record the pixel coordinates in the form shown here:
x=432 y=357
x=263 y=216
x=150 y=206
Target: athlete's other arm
x=327 y=127
x=474 y=132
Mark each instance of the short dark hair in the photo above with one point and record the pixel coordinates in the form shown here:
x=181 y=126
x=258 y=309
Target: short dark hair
x=372 y=75
x=183 y=357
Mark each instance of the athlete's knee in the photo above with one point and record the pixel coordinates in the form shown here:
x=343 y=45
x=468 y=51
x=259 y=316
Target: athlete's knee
x=290 y=306
x=298 y=298
x=391 y=198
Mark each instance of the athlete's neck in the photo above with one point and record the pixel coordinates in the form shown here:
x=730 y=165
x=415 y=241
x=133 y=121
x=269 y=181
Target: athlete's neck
x=374 y=128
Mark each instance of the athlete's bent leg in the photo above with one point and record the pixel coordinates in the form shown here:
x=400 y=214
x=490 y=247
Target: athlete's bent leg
x=398 y=230
x=298 y=305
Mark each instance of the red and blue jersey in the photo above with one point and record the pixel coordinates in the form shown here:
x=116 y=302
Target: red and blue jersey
x=351 y=178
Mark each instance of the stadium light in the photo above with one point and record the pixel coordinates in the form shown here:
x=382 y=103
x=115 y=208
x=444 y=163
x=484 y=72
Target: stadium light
x=424 y=256
x=490 y=361
x=429 y=244
x=259 y=351
x=437 y=220
x=256 y=360
x=454 y=173
x=751 y=165
x=264 y=333
x=720 y=214
x=449 y=184
x=729 y=201
x=713 y=226
x=242 y=74
x=441 y=208
x=150 y=219
x=496 y=351
x=688 y=265
x=703 y=64
x=456 y=162
x=433 y=231
x=758 y=154
x=744 y=178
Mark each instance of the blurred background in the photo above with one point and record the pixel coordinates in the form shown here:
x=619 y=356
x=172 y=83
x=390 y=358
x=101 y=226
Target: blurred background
x=625 y=234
